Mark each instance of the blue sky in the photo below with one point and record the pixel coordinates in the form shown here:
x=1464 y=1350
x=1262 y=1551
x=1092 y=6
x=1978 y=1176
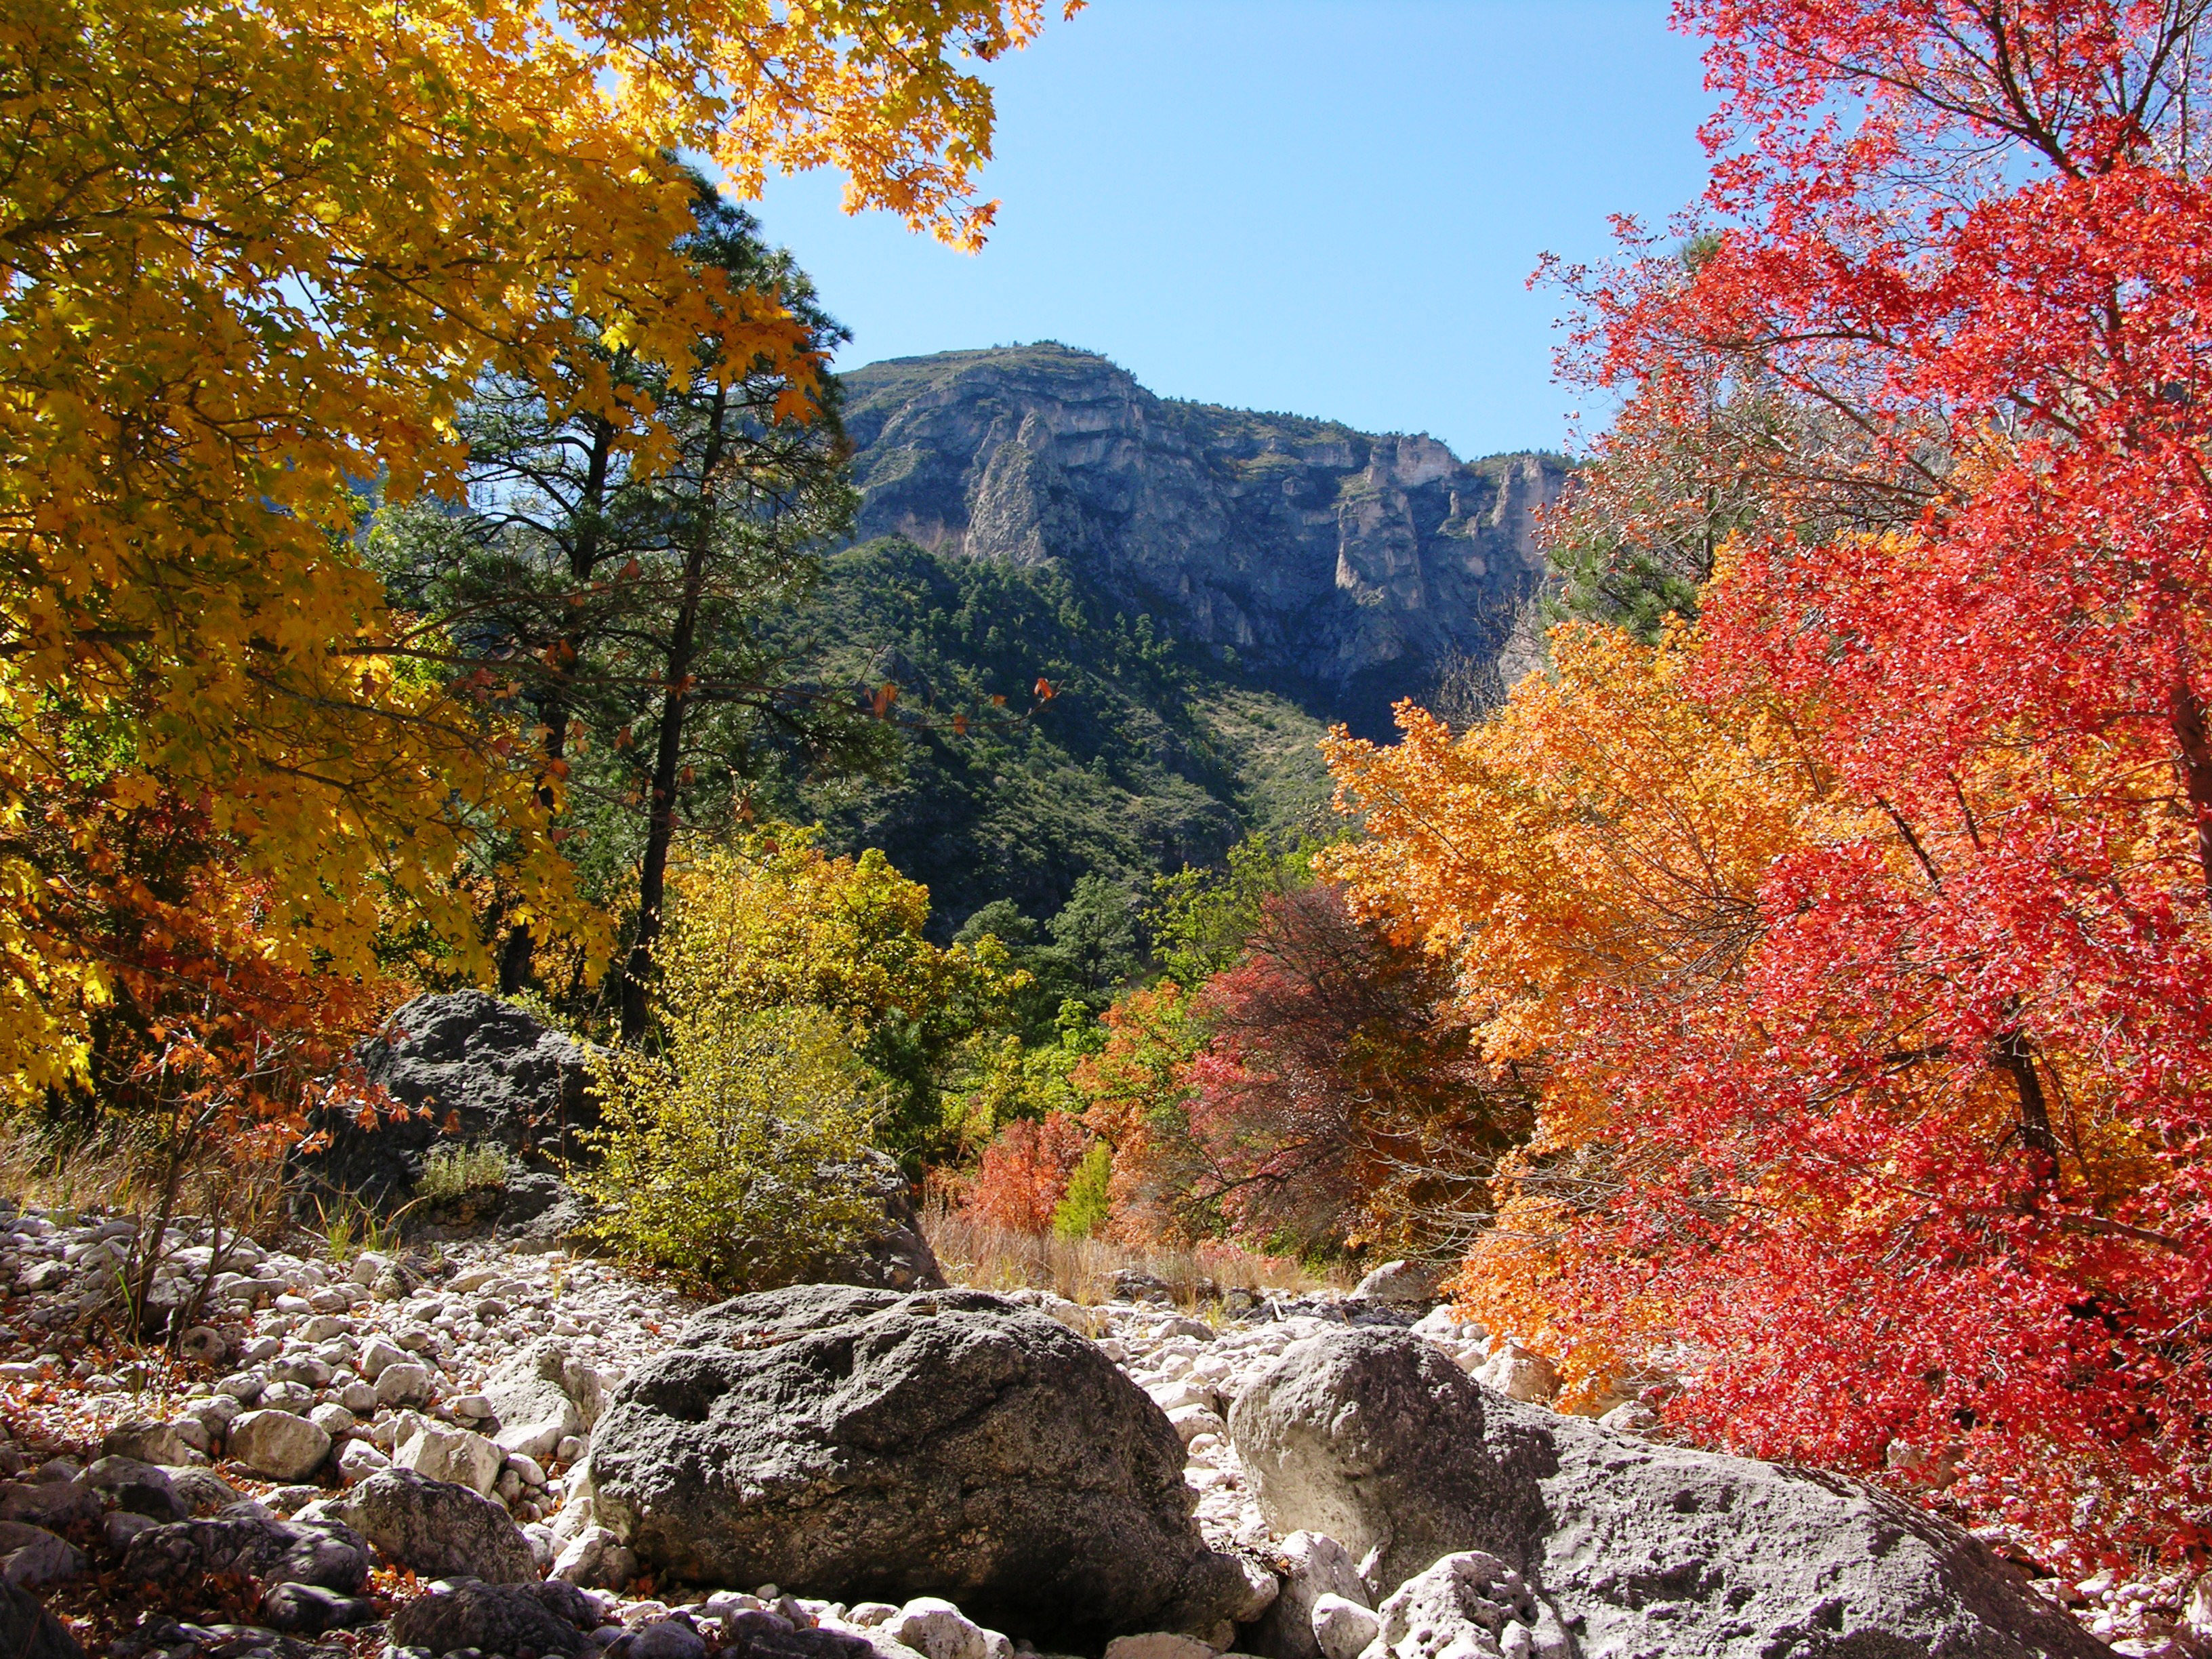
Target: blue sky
x=1329 y=207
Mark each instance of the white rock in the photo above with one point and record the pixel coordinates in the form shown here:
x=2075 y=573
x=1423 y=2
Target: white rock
x=1191 y=1421
x=359 y=1459
x=331 y=1419
x=1171 y=1397
x=1342 y=1628
x=403 y=1384
x=376 y=1353
x=278 y=1445
x=460 y=1455
x=1518 y=1374
x=936 y=1629
x=595 y=1559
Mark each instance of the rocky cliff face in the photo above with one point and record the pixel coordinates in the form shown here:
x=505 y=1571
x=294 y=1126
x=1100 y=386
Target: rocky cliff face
x=1352 y=565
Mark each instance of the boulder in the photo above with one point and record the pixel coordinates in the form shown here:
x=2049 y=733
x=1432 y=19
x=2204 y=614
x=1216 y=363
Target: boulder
x=309 y=1609
x=141 y=1488
x=461 y=1456
x=201 y=1490
x=595 y=1559
x=50 y=1504
x=1473 y=1605
x=1342 y=1627
x=31 y=1555
x=148 y=1441
x=898 y=1258
x=28 y=1631
x=1518 y=1374
x=857 y=1443
x=542 y=1619
x=325 y=1553
x=935 y=1629
x=542 y=1396
x=1314 y=1565
x=437 y=1529
x=1379 y=1440
x=485 y=1070
x=406 y=1383
x=277 y=1445
x=1411 y=1284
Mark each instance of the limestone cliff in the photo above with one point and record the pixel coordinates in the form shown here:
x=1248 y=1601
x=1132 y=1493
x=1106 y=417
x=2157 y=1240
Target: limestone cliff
x=1349 y=566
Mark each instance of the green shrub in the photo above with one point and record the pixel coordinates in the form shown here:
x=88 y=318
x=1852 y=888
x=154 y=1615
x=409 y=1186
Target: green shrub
x=730 y=1157
x=449 y=1171
x=1082 y=1212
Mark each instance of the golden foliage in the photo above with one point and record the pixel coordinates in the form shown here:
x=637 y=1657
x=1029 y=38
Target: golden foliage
x=252 y=256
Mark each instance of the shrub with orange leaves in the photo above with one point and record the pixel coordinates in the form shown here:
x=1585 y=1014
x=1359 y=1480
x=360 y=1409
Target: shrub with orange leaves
x=1025 y=1170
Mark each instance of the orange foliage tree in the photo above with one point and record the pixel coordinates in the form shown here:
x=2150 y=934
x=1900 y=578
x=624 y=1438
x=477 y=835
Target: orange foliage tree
x=1025 y=1170
x=1873 y=1019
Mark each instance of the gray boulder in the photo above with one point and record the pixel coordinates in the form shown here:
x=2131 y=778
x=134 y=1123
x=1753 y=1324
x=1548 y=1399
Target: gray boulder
x=435 y=1527
x=1376 y=1439
x=31 y=1555
x=853 y=1442
x=325 y=1553
x=309 y=1609
x=473 y=1069
x=547 y=1618
x=1409 y=1283
x=28 y=1631
x=140 y=1488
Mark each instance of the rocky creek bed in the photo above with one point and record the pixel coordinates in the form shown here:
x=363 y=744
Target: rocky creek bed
x=476 y=1452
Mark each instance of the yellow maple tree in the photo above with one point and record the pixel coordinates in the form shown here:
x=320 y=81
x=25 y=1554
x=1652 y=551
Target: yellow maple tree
x=252 y=256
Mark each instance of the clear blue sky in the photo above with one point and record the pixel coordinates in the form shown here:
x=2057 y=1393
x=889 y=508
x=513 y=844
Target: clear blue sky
x=1329 y=207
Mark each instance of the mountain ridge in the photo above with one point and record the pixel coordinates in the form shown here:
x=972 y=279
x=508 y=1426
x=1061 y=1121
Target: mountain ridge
x=1344 y=568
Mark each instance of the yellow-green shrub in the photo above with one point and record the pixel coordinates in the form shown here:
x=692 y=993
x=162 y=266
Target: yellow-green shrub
x=728 y=1157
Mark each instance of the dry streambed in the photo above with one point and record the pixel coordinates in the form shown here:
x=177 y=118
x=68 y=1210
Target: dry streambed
x=493 y=1453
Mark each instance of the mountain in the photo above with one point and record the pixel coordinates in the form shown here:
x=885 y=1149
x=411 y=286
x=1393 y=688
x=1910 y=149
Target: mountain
x=1345 y=570
x=1206 y=589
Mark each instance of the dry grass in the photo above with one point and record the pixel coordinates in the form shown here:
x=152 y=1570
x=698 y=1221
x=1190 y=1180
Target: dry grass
x=110 y=1176
x=973 y=1252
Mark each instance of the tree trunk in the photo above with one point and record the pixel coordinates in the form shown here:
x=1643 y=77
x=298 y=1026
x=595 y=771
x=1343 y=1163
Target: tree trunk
x=2015 y=1057
x=583 y=558
x=668 y=752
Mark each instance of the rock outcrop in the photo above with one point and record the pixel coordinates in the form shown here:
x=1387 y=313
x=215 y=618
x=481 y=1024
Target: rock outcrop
x=831 y=1439
x=1356 y=563
x=1376 y=1439
x=472 y=1071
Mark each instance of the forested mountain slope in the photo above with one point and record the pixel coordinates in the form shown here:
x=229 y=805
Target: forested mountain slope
x=1206 y=590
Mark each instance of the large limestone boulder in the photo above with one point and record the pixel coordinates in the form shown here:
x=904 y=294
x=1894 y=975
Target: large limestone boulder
x=474 y=1070
x=1378 y=1439
x=858 y=1443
